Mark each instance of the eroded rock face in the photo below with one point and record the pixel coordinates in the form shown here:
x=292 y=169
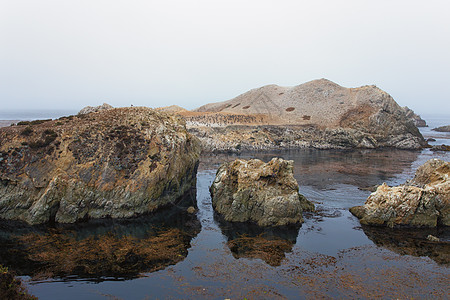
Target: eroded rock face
x=418 y=121
x=422 y=202
x=116 y=163
x=263 y=193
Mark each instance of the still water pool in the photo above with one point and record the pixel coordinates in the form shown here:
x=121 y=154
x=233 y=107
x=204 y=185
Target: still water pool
x=174 y=254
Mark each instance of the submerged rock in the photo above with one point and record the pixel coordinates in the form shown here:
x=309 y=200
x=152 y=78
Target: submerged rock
x=116 y=163
x=263 y=193
x=423 y=201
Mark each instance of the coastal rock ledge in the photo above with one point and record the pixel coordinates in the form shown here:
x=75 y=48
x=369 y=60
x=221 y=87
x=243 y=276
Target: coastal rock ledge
x=262 y=193
x=421 y=202
x=115 y=163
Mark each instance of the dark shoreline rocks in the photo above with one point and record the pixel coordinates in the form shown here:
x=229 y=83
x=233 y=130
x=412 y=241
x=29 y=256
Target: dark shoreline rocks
x=442 y=129
x=262 y=193
x=115 y=163
x=421 y=202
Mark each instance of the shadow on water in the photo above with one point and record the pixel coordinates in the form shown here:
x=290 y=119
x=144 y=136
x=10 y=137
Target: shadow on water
x=413 y=242
x=101 y=250
x=252 y=241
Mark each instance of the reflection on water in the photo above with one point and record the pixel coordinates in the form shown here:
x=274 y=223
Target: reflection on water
x=325 y=168
x=252 y=241
x=413 y=242
x=101 y=249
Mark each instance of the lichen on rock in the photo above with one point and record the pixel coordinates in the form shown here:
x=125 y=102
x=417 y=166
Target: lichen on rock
x=262 y=193
x=423 y=201
x=115 y=163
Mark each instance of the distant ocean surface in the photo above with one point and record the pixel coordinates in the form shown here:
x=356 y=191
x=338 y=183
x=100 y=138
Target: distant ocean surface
x=35 y=114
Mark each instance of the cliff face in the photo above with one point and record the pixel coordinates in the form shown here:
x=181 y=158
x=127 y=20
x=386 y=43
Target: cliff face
x=318 y=114
x=114 y=163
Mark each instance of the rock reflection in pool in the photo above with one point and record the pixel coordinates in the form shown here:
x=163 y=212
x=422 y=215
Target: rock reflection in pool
x=101 y=249
x=413 y=242
x=252 y=241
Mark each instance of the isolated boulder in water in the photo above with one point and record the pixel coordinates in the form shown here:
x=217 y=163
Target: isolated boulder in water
x=116 y=163
x=263 y=193
x=423 y=201
x=442 y=129
x=91 y=109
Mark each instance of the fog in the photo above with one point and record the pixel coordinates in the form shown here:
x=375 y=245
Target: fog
x=69 y=54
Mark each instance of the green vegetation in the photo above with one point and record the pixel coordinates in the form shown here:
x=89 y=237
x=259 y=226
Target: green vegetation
x=11 y=288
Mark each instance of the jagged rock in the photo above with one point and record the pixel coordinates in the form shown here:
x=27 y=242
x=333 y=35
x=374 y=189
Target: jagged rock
x=115 y=163
x=91 y=109
x=263 y=193
x=423 y=201
x=418 y=121
x=442 y=129
x=319 y=114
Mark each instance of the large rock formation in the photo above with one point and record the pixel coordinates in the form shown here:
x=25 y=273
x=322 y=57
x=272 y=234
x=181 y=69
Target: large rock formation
x=423 y=201
x=418 y=121
x=262 y=193
x=318 y=114
x=91 y=109
x=115 y=163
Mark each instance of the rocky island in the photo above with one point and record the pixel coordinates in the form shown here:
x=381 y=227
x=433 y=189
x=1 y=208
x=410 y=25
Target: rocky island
x=424 y=201
x=319 y=114
x=111 y=163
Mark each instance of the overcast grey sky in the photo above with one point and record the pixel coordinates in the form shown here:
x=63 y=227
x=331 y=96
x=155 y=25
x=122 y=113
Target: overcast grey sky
x=71 y=53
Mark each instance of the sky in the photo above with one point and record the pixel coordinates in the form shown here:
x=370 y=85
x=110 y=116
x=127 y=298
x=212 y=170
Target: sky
x=68 y=54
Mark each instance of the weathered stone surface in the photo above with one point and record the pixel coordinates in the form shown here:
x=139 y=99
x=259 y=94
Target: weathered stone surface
x=263 y=193
x=319 y=114
x=423 y=201
x=418 y=121
x=115 y=163
x=91 y=109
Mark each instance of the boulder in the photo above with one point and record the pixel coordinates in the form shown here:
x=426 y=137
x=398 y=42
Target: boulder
x=262 y=193
x=91 y=109
x=116 y=163
x=421 y=202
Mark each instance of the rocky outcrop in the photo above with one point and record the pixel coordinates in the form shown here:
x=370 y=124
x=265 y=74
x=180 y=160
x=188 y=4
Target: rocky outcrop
x=418 y=121
x=317 y=114
x=262 y=193
x=442 y=129
x=91 y=109
x=422 y=202
x=115 y=163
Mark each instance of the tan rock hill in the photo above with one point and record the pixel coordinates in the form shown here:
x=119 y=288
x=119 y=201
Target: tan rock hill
x=422 y=202
x=318 y=113
x=114 y=163
x=90 y=109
